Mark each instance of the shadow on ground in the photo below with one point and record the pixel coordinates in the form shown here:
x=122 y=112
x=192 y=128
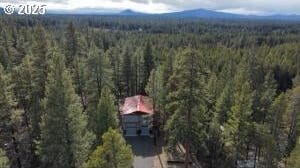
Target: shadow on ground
x=144 y=151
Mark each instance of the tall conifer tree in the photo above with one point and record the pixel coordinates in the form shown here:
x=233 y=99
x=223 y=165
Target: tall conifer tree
x=65 y=140
x=148 y=64
x=7 y=137
x=106 y=114
x=187 y=123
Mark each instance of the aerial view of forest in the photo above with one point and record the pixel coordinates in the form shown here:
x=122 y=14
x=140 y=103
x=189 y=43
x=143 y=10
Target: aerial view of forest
x=220 y=92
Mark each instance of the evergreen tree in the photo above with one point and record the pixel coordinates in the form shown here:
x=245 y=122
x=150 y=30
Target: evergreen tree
x=136 y=72
x=65 y=141
x=155 y=88
x=239 y=124
x=21 y=47
x=213 y=90
x=4 y=162
x=294 y=129
x=70 y=44
x=264 y=99
x=80 y=72
x=294 y=119
x=267 y=95
x=39 y=76
x=23 y=89
x=5 y=60
x=99 y=75
x=113 y=153
x=224 y=103
x=115 y=62
x=241 y=68
x=7 y=49
x=214 y=146
x=187 y=123
x=106 y=115
x=294 y=159
x=7 y=137
x=277 y=110
x=80 y=79
x=127 y=73
x=296 y=80
x=148 y=64
x=167 y=71
x=277 y=120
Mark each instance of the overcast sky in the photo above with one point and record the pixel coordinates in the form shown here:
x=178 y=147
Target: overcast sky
x=259 y=7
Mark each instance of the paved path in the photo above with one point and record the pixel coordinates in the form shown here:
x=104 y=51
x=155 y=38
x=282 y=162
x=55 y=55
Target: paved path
x=143 y=150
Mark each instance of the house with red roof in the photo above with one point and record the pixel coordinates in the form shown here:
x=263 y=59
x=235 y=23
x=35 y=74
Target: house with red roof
x=136 y=114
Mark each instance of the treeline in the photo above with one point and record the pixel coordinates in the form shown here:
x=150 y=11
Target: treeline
x=228 y=91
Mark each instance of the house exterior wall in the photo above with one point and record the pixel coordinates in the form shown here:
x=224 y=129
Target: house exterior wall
x=134 y=122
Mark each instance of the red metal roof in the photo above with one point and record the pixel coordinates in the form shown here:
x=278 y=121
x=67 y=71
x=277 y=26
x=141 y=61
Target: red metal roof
x=137 y=104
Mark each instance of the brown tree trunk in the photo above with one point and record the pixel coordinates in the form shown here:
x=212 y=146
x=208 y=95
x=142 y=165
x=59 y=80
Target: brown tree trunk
x=187 y=154
x=16 y=149
x=255 y=155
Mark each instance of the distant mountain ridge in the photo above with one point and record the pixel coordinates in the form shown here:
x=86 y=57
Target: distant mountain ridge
x=195 y=13
x=210 y=14
x=84 y=11
x=1 y=11
x=129 y=12
x=203 y=13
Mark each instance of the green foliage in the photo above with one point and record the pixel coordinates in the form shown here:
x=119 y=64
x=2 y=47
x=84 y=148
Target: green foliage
x=296 y=80
x=278 y=129
x=7 y=104
x=224 y=103
x=4 y=59
x=186 y=101
x=106 y=115
x=156 y=89
x=127 y=73
x=115 y=61
x=239 y=122
x=148 y=63
x=65 y=141
x=294 y=129
x=23 y=90
x=294 y=159
x=70 y=44
x=113 y=153
x=39 y=76
x=80 y=79
x=23 y=87
x=6 y=99
x=4 y=162
x=237 y=69
x=267 y=96
x=99 y=75
x=277 y=117
x=6 y=108
x=213 y=89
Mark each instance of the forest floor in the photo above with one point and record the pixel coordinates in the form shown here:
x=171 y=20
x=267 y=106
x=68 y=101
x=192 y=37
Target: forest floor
x=160 y=158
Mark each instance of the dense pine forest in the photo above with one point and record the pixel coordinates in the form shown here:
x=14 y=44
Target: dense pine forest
x=227 y=90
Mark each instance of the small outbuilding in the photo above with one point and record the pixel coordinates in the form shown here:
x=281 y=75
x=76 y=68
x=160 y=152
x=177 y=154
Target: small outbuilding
x=136 y=114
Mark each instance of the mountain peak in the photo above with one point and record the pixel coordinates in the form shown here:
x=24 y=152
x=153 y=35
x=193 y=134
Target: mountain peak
x=130 y=12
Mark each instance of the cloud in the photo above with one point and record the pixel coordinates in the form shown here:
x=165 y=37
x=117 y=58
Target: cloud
x=243 y=11
x=238 y=6
x=136 y=1
x=39 y=1
x=262 y=7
